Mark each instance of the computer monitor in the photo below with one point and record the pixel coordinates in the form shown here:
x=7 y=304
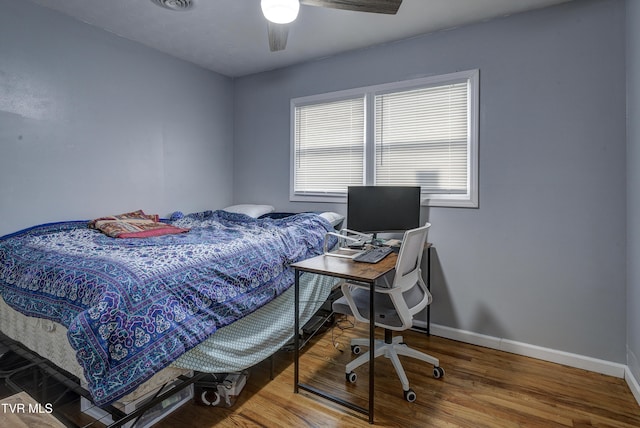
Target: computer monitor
x=375 y=209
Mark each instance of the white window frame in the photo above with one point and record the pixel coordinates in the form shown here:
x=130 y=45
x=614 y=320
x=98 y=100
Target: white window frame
x=467 y=200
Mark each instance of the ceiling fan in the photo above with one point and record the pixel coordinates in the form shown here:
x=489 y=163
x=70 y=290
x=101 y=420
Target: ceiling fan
x=279 y=13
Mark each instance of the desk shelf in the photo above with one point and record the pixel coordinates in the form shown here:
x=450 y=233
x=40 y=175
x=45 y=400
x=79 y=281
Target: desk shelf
x=324 y=318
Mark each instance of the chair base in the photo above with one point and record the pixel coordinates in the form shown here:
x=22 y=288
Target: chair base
x=391 y=348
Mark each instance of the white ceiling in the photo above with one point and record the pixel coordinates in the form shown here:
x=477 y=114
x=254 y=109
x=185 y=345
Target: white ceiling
x=230 y=36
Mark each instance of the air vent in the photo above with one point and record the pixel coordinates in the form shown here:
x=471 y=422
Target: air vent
x=175 y=4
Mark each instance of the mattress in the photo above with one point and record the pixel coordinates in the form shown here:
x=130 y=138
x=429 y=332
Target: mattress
x=49 y=340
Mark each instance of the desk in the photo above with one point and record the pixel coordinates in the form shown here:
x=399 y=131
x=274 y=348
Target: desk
x=345 y=269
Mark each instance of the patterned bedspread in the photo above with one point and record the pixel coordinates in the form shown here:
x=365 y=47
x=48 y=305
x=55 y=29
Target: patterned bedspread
x=132 y=306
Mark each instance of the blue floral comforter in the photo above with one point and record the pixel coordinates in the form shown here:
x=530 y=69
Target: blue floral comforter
x=132 y=306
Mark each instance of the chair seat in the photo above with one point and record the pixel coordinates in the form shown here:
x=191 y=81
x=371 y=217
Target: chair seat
x=386 y=313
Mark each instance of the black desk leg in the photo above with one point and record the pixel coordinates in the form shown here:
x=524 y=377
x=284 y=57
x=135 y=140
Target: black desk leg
x=372 y=358
x=429 y=288
x=296 y=330
x=296 y=341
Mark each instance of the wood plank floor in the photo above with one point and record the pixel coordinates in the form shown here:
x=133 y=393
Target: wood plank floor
x=481 y=388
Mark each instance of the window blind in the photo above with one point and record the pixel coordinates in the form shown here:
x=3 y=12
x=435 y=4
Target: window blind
x=329 y=146
x=421 y=139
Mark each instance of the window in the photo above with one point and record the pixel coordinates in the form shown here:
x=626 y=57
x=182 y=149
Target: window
x=421 y=132
x=329 y=151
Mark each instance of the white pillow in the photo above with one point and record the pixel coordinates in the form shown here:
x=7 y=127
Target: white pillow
x=252 y=210
x=334 y=218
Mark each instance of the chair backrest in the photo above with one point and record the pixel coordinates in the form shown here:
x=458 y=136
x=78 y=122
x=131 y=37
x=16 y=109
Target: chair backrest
x=410 y=257
x=404 y=297
x=409 y=294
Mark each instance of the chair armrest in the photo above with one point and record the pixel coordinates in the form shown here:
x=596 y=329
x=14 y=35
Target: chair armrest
x=346 y=292
x=378 y=289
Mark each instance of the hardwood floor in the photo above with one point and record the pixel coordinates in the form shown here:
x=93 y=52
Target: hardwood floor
x=481 y=388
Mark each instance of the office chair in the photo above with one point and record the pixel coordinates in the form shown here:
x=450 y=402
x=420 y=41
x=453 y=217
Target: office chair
x=395 y=306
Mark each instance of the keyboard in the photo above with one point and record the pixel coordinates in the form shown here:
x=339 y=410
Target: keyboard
x=373 y=255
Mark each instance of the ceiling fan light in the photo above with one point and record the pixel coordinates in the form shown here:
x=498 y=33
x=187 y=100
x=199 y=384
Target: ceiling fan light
x=280 y=11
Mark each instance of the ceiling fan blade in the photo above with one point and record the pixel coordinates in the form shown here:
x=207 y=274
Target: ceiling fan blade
x=374 y=6
x=277 y=36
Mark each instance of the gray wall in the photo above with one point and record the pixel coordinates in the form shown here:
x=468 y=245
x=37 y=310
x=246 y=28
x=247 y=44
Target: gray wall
x=542 y=261
x=92 y=124
x=633 y=189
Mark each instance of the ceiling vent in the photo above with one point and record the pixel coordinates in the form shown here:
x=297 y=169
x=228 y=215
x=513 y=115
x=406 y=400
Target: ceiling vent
x=175 y=4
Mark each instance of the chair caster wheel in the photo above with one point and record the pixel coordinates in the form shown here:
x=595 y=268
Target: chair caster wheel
x=351 y=377
x=355 y=349
x=410 y=395
x=438 y=372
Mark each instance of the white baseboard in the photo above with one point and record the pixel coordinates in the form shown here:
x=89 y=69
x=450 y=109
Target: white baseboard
x=525 y=349
x=633 y=384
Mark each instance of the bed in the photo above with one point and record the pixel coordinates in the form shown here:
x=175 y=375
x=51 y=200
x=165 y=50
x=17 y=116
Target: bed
x=214 y=299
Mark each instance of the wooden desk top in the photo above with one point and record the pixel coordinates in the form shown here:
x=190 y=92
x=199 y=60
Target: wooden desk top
x=346 y=268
